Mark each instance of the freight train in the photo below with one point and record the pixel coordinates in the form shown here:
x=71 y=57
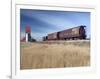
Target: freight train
x=78 y=32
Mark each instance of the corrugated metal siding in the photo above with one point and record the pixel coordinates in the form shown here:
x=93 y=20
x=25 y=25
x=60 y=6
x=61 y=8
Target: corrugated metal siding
x=69 y=33
x=52 y=36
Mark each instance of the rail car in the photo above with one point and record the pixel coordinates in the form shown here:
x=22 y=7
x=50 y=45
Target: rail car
x=78 y=32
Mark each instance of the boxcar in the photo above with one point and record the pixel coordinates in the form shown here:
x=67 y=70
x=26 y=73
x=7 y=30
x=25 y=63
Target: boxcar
x=53 y=36
x=73 y=33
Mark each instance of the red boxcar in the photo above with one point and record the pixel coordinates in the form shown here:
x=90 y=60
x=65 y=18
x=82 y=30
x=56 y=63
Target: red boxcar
x=77 y=32
x=53 y=36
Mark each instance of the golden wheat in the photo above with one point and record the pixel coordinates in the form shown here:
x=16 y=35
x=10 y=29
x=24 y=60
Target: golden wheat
x=57 y=55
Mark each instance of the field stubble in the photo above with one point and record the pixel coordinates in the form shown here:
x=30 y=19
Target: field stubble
x=57 y=55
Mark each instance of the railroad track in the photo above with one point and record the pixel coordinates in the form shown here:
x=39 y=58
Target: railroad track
x=64 y=42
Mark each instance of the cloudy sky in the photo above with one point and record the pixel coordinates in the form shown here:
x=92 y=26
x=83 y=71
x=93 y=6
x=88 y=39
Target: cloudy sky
x=43 y=22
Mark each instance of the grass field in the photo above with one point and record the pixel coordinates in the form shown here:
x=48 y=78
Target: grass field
x=55 y=54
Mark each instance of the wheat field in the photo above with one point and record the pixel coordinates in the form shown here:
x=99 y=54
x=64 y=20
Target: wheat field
x=54 y=54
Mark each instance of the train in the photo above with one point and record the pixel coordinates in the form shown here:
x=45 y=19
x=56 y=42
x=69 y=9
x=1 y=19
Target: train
x=78 y=32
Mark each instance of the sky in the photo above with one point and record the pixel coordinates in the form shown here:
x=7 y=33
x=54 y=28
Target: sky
x=43 y=22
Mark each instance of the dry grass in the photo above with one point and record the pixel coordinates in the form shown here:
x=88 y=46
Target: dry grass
x=57 y=55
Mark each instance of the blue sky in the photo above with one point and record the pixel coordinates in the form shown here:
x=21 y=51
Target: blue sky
x=43 y=22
